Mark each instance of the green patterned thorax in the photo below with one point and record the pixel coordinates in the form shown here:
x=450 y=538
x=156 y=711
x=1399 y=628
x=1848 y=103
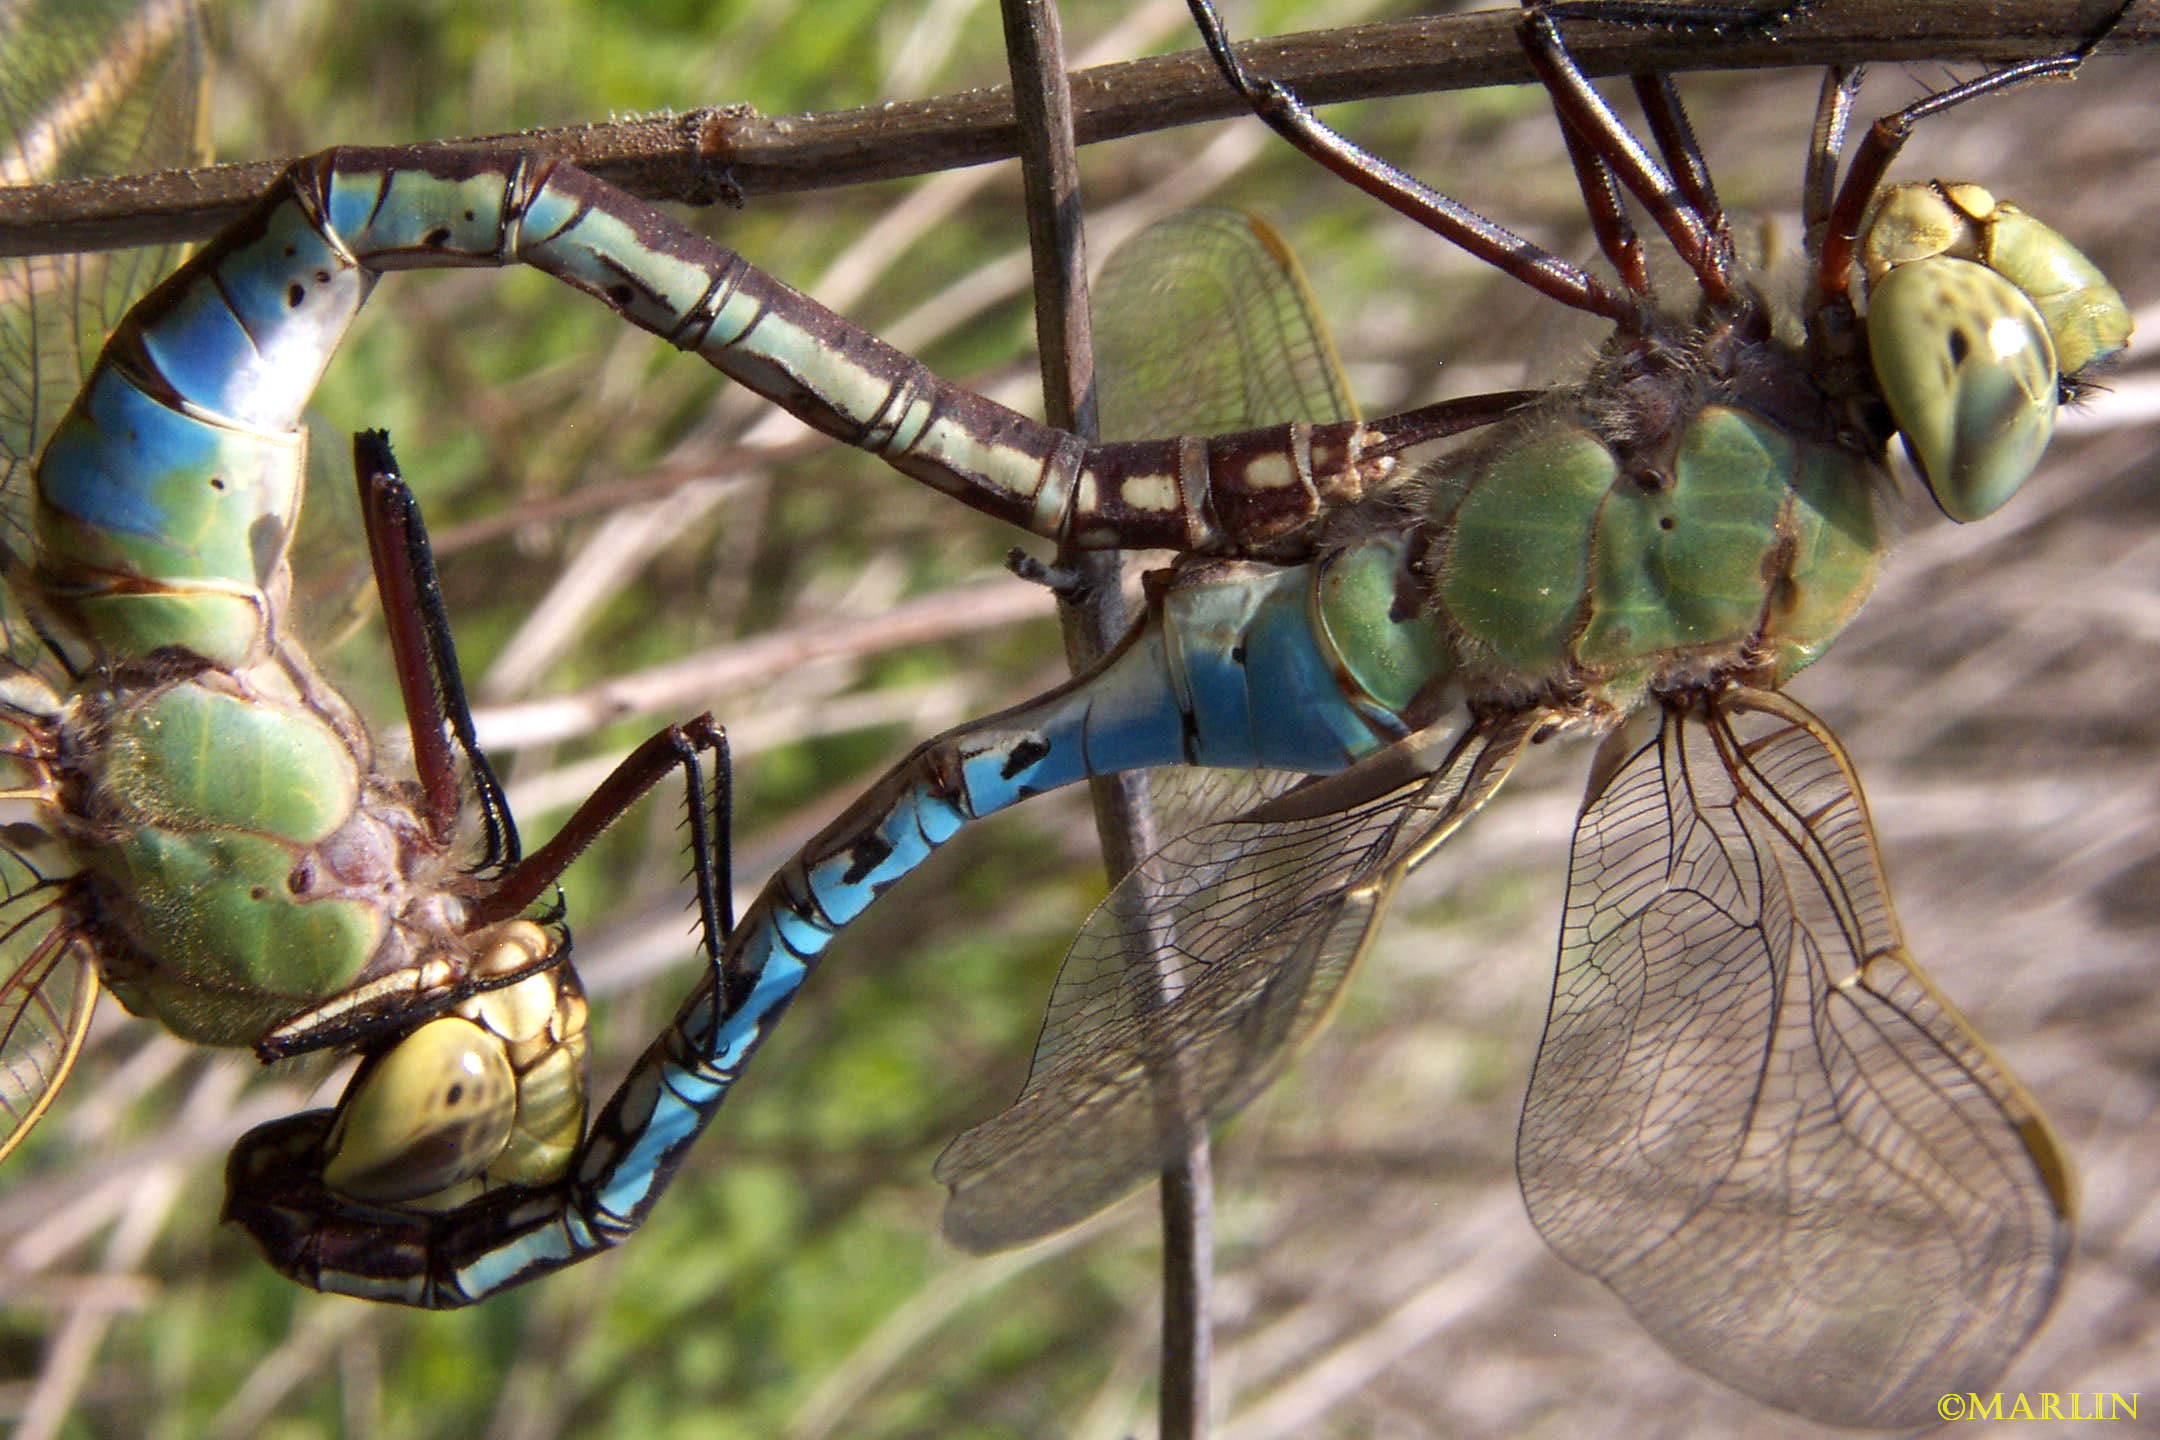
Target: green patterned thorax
x=210 y=817
x=1693 y=510
x=1390 y=649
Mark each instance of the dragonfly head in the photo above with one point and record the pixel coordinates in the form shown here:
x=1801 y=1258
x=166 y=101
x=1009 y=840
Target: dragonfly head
x=1980 y=321
x=490 y=1093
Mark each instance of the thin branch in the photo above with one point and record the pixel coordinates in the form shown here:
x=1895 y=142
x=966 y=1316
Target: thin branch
x=1094 y=617
x=729 y=669
x=698 y=156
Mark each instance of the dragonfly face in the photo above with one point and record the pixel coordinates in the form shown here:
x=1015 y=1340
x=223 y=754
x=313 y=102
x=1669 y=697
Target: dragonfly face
x=1977 y=314
x=490 y=1094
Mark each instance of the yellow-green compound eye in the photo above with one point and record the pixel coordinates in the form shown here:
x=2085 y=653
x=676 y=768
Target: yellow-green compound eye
x=2085 y=315
x=432 y=1113
x=1969 y=372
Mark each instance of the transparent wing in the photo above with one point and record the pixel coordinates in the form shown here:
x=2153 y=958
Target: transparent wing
x=46 y=998
x=87 y=87
x=1185 y=797
x=1253 y=927
x=1753 y=1117
x=1204 y=325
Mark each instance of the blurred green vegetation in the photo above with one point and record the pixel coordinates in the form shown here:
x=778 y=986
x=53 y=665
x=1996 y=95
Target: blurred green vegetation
x=793 y=1281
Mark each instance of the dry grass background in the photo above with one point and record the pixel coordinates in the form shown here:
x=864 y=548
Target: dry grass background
x=1376 y=1273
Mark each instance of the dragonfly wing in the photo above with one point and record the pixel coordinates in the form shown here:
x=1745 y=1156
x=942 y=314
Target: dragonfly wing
x=1183 y=798
x=1197 y=979
x=1752 y=1116
x=93 y=87
x=1204 y=325
x=46 y=999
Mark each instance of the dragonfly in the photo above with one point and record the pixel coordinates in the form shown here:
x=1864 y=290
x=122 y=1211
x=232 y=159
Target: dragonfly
x=328 y=904
x=1731 y=843
x=200 y=823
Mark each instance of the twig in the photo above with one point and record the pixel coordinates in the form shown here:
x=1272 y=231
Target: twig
x=1094 y=616
x=696 y=157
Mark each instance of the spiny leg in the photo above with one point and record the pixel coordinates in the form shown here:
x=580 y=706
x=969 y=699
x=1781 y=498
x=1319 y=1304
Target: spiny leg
x=1497 y=246
x=1590 y=125
x=1602 y=201
x=1887 y=136
x=1591 y=132
x=676 y=747
x=712 y=847
x=1682 y=153
x=1602 y=150
x=429 y=678
x=1826 y=144
x=1609 y=222
x=1684 y=167
x=424 y=653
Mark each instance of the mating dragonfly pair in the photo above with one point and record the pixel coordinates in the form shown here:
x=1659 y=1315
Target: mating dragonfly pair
x=1746 y=1090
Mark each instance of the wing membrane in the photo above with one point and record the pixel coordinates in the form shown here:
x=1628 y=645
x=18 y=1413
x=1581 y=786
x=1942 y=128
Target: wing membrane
x=46 y=998
x=1208 y=965
x=87 y=87
x=1204 y=325
x=1254 y=925
x=1752 y=1115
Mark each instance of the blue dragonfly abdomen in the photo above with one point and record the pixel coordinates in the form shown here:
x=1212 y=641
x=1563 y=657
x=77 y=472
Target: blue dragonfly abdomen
x=1235 y=665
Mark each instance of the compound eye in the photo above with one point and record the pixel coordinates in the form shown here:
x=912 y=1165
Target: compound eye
x=2084 y=314
x=433 y=1112
x=1967 y=367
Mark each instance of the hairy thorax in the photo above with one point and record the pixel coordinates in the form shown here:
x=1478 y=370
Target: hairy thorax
x=1700 y=506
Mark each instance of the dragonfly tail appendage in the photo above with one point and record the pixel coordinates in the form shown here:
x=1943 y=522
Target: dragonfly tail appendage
x=1162 y=698
x=521 y=1204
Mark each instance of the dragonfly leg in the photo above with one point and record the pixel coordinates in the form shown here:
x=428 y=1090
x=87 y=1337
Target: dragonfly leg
x=1609 y=221
x=1682 y=154
x=1887 y=137
x=380 y=1014
x=1605 y=150
x=1826 y=144
x=1496 y=245
x=424 y=654
x=676 y=747
x=440 y=1258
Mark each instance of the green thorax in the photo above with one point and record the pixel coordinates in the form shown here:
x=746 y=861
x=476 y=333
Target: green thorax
x=232 y=855
x=1696 y=509
x=1389 y=652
